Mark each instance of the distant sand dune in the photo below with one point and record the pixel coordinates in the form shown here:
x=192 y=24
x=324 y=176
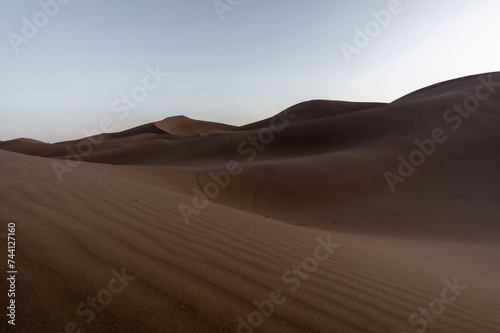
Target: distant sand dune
x=182 y=125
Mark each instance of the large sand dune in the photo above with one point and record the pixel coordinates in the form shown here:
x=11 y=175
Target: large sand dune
x=329 y=217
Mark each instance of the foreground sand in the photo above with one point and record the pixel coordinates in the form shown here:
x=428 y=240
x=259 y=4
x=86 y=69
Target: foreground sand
x=391 y=254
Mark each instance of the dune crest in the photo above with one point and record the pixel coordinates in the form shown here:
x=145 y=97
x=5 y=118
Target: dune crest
x=183 y=125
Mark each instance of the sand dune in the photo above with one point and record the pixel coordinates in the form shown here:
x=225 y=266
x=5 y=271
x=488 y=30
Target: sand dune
x=127 y=223
x=183 y=125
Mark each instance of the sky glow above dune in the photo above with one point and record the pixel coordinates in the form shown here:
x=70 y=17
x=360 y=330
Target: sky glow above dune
x=229 y=63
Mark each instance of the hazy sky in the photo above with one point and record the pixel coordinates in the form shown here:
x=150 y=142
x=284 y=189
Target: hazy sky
x=64 y=69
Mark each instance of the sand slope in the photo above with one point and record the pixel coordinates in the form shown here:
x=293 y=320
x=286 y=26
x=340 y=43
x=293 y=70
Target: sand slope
x=322 y=176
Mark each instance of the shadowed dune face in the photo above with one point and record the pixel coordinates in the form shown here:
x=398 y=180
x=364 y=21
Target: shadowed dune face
x=330 y=157
x=208 y=218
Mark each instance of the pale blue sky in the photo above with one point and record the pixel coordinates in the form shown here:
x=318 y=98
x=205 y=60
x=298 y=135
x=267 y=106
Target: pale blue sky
x=263 y=57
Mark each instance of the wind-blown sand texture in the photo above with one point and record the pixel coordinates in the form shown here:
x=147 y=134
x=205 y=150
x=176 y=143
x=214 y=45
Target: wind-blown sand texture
x=321 y=175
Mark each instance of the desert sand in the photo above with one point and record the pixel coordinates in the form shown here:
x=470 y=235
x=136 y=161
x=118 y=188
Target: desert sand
x=308 y=221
